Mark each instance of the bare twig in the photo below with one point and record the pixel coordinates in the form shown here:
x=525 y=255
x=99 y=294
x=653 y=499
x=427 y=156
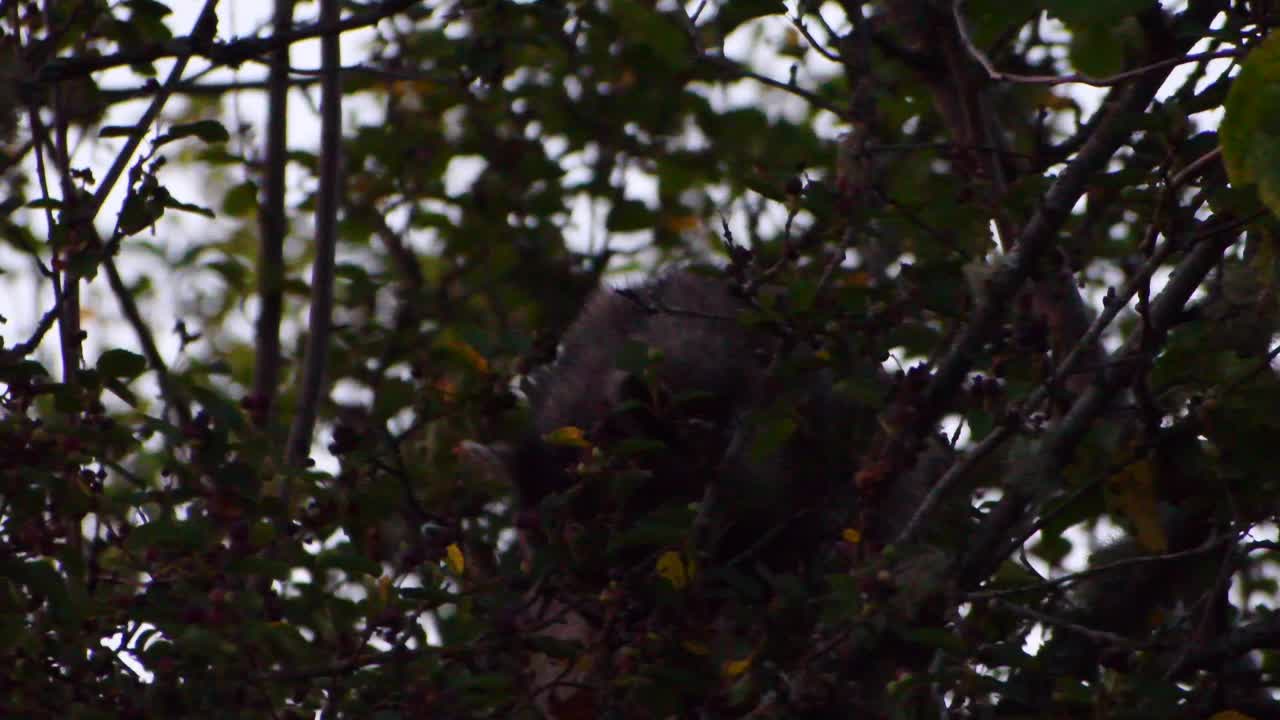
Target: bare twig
x=734 y=68
x=172 y=395
x=1098 y=636
x=798 y=23
x=42 y=327
x=1210 y=545
x=1080 y=78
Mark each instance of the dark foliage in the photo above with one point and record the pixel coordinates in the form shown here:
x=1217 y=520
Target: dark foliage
x=961 y=407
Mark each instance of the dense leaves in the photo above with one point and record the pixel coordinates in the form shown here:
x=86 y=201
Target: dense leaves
x=1008 y=222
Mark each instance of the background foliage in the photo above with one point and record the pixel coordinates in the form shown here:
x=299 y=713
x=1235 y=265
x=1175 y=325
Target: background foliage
x=1026 y=203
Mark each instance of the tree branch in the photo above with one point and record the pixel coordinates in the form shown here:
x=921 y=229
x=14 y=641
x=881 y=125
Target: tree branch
x=321 y=318
x=272 y=227
x=231 y=53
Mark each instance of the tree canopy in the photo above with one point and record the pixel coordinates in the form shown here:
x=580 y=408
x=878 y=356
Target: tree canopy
x=264 y=320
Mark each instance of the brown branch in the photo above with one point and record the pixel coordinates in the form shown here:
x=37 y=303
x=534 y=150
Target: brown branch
x=272 y=228
x=1122 y=107
x=230 y=53
x=1036 y=237
x=993 y=542
x=321 y=318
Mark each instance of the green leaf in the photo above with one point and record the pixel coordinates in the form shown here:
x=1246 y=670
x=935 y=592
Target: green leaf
x=141 y=210
x=169 y=534
x=646 y=26
x=210 y=131
x=629 y=216
x=991 y=19
x=170 y=202
x=1250 y=131
x=225 y=412
x=733 y=14
x=346 y=558
x=117 y=363
x=1097 y=49
x=1080 y=12
x=24 y=370
x=241 y=200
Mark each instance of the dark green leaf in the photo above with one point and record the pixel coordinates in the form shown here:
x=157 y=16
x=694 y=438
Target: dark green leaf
x=629 y=216
x=733 y=14
x=119 y=131
x=210 y=131
x=241 y=200
x=1249 y=132
x=117 y=363
x=1094 y=11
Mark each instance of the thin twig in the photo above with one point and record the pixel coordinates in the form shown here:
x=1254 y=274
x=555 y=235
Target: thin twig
x=46 y=322
x=798 y=23
x=739 y=70
x=1210 y=545
x=172 y=395
x=1098 y=636
x=1081 y=78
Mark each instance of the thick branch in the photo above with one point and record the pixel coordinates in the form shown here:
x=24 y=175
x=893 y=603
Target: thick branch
x=993 y=541
x=266 y=370
x=321 y=319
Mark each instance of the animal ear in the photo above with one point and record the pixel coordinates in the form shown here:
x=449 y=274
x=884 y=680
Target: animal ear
x=532 y=469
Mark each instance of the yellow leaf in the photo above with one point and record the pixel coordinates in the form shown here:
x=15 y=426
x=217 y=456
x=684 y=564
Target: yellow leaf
x=671 y=567
x=859 y=279
x=568 y=435
x=1133 y=493
x=851 y=536
x=694 y=648
x=384 y=587
x=468 y=354
x=453 y=556
x=1230 y=715
x=734 y=668
x=681 y=223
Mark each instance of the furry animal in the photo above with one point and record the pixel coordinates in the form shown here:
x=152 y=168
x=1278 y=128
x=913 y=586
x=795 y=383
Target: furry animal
x=669 y=380
x=679 y=416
